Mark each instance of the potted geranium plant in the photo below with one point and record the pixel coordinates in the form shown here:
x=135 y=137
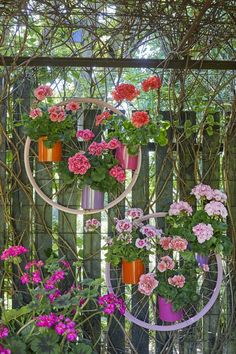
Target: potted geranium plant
x=131 y=245
x=93 y=166
x=49 y=124
x=136 y=127
x=205 y=228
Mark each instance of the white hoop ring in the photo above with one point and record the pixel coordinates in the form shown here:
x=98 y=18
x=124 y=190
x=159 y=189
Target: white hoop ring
x=81 y=211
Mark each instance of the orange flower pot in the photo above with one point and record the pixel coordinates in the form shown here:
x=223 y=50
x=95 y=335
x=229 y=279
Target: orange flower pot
x=131 y=271
x=45 y=154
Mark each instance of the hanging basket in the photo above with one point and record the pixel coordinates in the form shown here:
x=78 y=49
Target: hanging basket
x=45 y=154
x=92 y=199
x=131 y=271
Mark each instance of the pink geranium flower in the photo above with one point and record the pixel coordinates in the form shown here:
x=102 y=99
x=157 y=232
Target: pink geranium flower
x=4 y=350
x=147 y=283
x=96 y=148
x=181 y=207
x=165 y=243
x=35 y=112
x=124 y=226
x=177 y=281
x=135 y=213
x=113 y=144
x=91 y=225
x=203 y=232
x=140 y=243
x=13 y=251
x=72 y=106
x=57 y=113
x=150 y=231
x=85 y=134
x=118 y=173
x=4 y=331
x=216 y=209
x=219 y=196
x=78 y=164
x=42 y=92
x=25 y=278
x=202 y=191
x=179 y=244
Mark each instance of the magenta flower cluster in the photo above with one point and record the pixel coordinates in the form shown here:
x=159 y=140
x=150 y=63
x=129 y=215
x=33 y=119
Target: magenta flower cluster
x=13 y=251
x=4 y=331
x=4 y=350
x=110 y=303
x=62 y=326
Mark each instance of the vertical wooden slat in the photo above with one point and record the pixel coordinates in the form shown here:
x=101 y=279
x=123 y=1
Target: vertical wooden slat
x=186 y=181
x=3 y=113
x=230 y=184
x=92 y=253
x=140 y=199
x=20 y=201
x=211 y=176
x=116 y=338
x=164 y=197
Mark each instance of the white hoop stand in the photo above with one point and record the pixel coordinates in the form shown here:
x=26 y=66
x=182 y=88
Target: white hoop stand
x=179 y=325
x=80 y=211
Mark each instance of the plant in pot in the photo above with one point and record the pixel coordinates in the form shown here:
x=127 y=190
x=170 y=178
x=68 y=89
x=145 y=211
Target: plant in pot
x=137 y=127
x=131 y=246
x=93 y=168
x=50 y=125
x=51 y=320
x=205 y=228
x=174 y=279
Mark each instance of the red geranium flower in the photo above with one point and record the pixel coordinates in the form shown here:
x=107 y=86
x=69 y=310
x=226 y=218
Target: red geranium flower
x=152 y=83
x=140 y=119
x=125 y=92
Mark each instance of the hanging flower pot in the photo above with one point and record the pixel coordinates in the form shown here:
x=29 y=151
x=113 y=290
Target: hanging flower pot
x=53 y=154
x=201 y=260
x=126 y=160
x=92 y=199
x=166 y=312
x=131 y=271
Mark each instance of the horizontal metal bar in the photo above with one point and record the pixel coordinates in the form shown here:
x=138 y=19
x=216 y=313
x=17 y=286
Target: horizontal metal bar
x=119 y=63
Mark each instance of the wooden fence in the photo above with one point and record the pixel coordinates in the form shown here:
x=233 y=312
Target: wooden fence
x=26 y=219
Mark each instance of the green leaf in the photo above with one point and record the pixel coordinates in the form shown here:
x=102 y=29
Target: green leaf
x=10 y=315
x=16 y=345
x=209 y=130
x=82 y=348
x=46 y=343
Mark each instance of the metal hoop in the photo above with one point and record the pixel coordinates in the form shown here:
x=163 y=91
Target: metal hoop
x=180 y=325
x=80 y=211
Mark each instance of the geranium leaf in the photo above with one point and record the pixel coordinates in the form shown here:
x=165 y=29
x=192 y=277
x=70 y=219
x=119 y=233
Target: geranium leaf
x=46 y=343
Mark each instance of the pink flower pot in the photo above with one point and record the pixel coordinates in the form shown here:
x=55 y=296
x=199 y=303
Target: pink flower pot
x=92 y=199
x=166 y=312
x=126 y=160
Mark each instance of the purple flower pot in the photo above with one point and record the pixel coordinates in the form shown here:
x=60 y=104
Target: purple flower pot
x=166 y=312
x=126 y=161
x=92 y=199
x=201 y=260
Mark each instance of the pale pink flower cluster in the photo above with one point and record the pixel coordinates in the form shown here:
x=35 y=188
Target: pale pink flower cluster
x=202 y=191
x=124 y=226
x=177 y=281
x=150 y=231
x=13 y=251
x=42 y=92
x=147 y=283
x=35 y=113
x=180 y=207
x=177 y=243
x=78 y=164
x=203 y=232
x=219 y=196
x=141 y=243
x=85 y=134
x=57 y=113
x=91 y=225
x=72 y=106
x=166 y=263
x=135 y=213
x=118 y=173
x=216 y=209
